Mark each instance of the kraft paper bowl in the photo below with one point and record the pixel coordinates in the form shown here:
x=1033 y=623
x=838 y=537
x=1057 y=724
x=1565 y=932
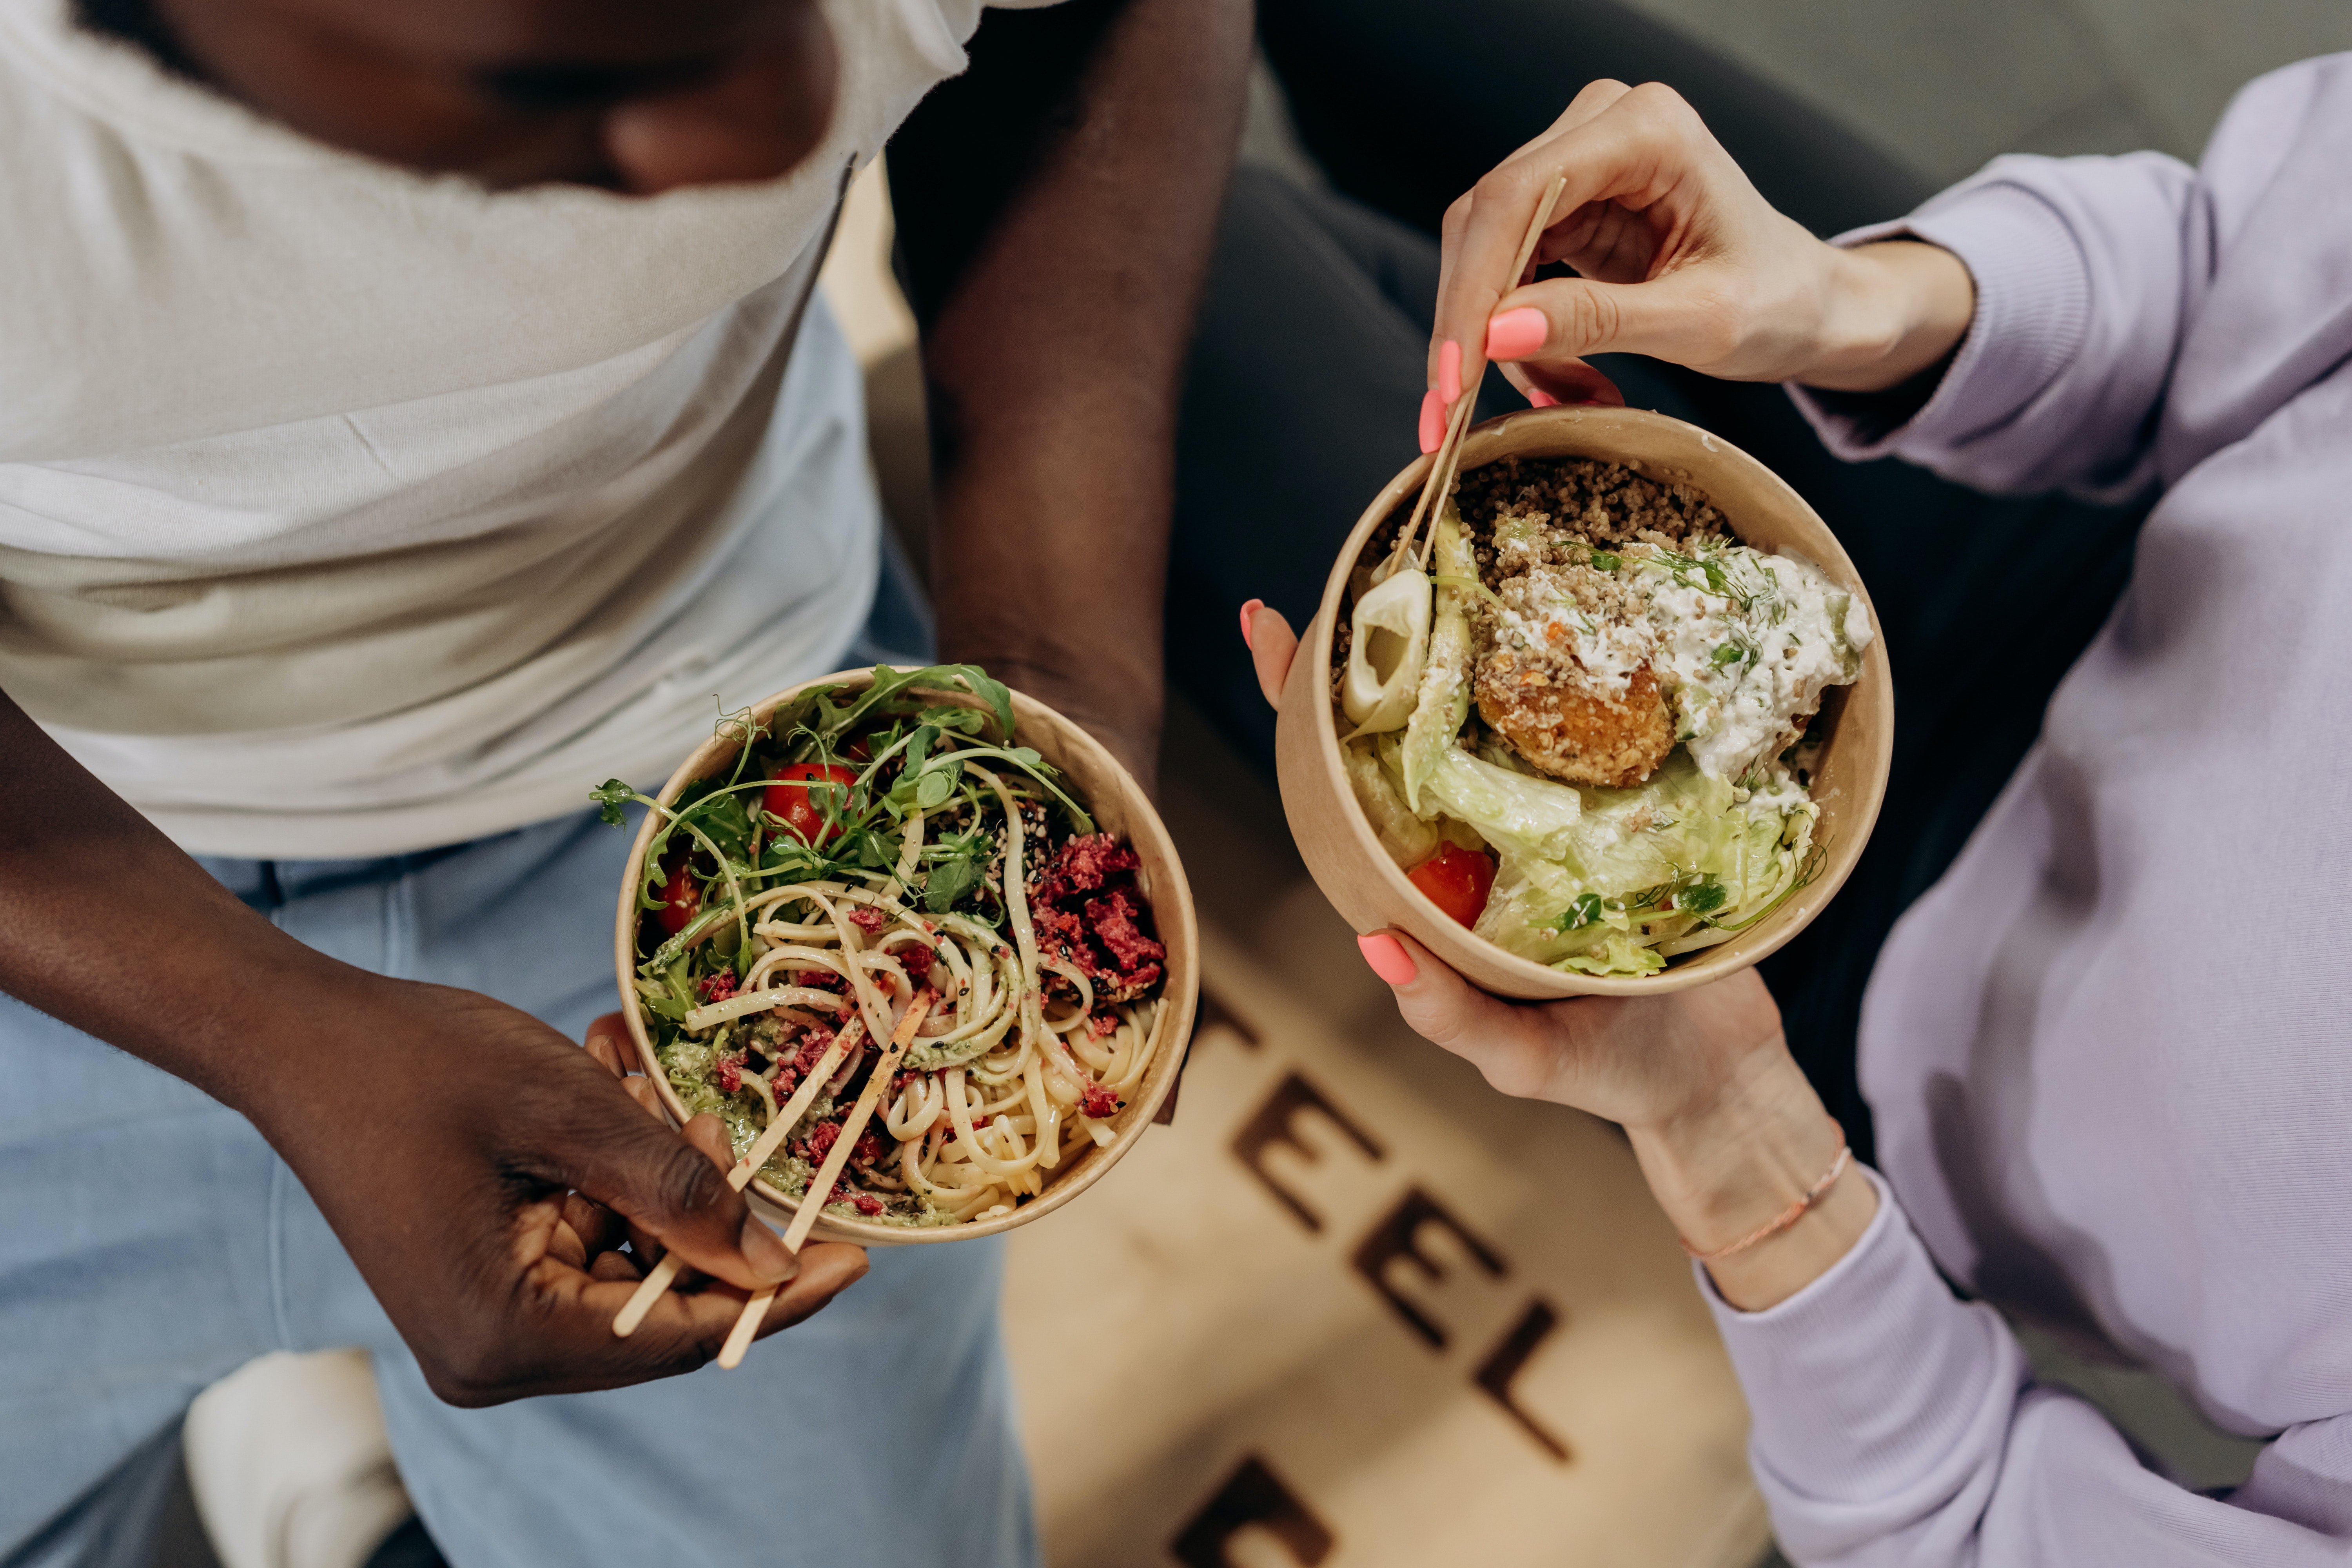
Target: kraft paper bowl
x=1096 y=780
x=1368 y=890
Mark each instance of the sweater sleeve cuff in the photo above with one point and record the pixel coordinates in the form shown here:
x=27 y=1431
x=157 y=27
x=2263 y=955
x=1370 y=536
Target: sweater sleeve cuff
x=1873 y=1377
x=2032 y=312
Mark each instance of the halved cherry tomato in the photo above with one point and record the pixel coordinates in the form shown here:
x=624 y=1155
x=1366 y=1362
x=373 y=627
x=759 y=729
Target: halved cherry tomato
x=1456 y=880
x=681 y=897
x=790 y=800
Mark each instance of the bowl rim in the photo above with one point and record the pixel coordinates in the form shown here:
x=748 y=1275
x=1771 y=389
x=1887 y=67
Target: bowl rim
x=1873 y=685
x=1172 y=913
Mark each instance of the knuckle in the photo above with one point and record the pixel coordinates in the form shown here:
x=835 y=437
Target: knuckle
x=1661 y=104
x=1588 y=316
x=1496 y=186
x=688 y=1183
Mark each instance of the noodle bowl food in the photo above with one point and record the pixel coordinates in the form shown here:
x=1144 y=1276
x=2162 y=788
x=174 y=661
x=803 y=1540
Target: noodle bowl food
x=895 y=841
x=1619 y=720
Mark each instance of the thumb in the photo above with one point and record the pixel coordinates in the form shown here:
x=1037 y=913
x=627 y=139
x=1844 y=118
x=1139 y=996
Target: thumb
x=1272 y=645
x=1673 y=318
x=676 y=1193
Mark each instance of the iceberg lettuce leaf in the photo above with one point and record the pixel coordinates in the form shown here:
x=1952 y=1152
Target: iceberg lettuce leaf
x=1444 y=696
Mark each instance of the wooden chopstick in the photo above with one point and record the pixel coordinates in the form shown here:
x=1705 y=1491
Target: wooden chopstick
x=755 y=1310
x=853 y=1033
x=738 y=1176
x=1447 y=460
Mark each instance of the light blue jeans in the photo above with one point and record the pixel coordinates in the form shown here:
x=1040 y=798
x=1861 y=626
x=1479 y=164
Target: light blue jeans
x=150 y=1243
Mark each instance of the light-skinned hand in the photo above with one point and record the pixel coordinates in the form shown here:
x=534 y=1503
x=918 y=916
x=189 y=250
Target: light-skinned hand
x=1680 y=258
x=1726 y=1128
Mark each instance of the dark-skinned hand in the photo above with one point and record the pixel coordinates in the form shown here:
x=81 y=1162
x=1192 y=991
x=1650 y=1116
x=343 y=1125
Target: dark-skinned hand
x=483 y=1171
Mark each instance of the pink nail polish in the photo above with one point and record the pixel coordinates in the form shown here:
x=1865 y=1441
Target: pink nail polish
x=1449 y=372
x=1433 y=420
x=1249 y=612
x=1516 y=334
x=1387 y=958
x=1538 y=398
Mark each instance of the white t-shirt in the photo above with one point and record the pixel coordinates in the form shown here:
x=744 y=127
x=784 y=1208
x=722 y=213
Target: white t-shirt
x=346 y=511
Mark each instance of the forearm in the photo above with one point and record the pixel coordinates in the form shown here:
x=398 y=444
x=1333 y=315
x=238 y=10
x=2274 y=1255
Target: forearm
x=107 y=924
x=1057 y=319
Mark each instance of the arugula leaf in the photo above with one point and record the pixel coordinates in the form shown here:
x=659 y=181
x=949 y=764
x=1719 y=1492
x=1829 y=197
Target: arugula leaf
x=833 y=722
x=963 y=721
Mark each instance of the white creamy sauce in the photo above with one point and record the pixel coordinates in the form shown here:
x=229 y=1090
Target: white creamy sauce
x=1737 y=667
x=1609 y=650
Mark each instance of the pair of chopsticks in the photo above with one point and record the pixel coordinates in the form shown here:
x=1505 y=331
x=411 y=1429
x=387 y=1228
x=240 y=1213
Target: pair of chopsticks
x=1447 y=462
x=820 y=1187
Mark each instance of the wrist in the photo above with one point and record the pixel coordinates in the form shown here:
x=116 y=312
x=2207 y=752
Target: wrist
x=1120 y=707
x=1744 y=1163
x=1892 y=310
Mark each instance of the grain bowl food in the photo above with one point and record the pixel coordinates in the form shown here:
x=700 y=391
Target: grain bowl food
x=886 y=841
x=1601 y=720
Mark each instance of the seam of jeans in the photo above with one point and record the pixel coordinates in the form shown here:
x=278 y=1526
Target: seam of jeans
x=400 y=924
x=279 y=1176
x=279 y=1173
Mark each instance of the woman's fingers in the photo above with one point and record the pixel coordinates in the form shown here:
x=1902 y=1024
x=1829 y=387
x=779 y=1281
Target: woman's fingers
x=1567 y=381
x=1518 y=1048
x=1638 y=145
x=1679 y=316
x=1588 y=105
x=1272 y=645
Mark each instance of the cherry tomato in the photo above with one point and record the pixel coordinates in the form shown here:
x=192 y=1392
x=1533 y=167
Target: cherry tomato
x=681 y=897
x=791 y=800
x=1456 y=880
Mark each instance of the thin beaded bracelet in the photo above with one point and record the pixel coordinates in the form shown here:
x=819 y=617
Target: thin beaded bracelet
x=1785 y=1218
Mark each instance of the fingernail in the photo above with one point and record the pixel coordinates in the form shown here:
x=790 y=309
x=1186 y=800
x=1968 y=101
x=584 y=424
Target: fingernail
x=1514 y=334
x=1433 y=420
x=1449 y=374
x=1538 y=398
x=1249 y=614
x=764 y=1251
x=1387 y=957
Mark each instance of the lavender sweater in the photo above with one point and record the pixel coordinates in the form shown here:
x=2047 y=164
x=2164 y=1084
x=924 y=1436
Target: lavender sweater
x=2110 y=1054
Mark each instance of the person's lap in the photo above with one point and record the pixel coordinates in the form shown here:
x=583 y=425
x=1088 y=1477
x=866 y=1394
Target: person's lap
x=154 y=1243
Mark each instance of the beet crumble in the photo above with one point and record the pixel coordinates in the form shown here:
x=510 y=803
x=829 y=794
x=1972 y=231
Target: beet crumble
x=1089 y=913
x=820 y=1141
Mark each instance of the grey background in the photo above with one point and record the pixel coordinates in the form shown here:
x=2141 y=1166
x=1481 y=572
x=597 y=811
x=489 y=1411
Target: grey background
x=1944 y=86
x=1947 y=85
